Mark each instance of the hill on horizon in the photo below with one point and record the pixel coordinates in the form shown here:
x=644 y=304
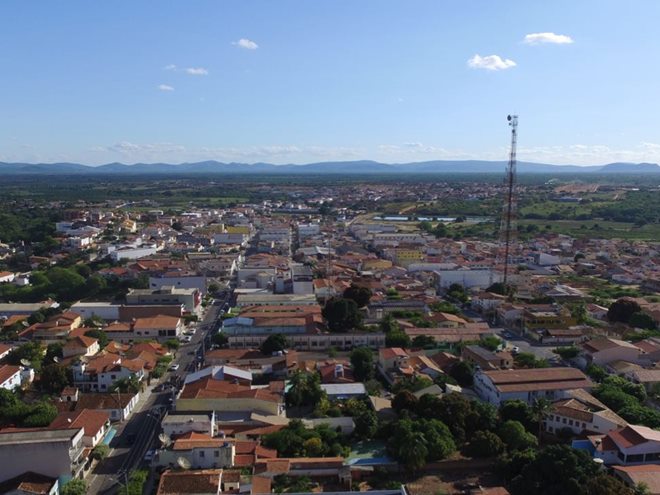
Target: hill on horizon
x=338 y=167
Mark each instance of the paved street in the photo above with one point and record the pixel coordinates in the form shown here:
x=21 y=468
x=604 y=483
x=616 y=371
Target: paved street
x=136 y=436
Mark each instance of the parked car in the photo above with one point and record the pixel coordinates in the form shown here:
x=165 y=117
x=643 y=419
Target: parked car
x=149 y=455
x=515 y=350
x=174 y=367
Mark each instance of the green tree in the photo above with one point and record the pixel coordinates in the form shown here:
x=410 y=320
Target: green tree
x=622 y=310
x=100 y=335
x=361 y=295
x=53 y=378
x=30 y=351
x=404 y=401
x=423 y=342
x=276 y=342
x=410 y=447
x=514 y=435
x=602 y=484
x=569 y=352
x=366 y=424
x=220 y=339
x=100 y=452
x=362 y=362
x=463 y=373
x=557 y=469
x=304 y=389
x=172 y=344
x=540 y=408
x=490 y=342
x=54 y=352
x=342 y=314
x=74 y=486
x=529 y=360
x=485 y=444
x=397 y=338
x=517 y=410
x=642 y=320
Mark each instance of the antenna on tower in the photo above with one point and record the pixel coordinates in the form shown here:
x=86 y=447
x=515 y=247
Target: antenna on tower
x=509 y=224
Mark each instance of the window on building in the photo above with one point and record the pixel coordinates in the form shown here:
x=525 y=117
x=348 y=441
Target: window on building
x=202 y=453
x=216 y=453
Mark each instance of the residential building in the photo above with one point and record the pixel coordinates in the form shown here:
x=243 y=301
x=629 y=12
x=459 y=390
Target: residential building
x=208 y=394
x=581 y=413
x=191 y=299
x=640 y=475
x=80 y=346
x=99 y=373
x=486 y=359
x=56 y=453
x=602 y=351
x=31 y=483
x=95 y=423
x=528 y=384
x=630 y=445
x=10 y=376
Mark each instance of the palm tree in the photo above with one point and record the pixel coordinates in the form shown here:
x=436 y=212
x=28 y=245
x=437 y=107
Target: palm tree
x=540 y=408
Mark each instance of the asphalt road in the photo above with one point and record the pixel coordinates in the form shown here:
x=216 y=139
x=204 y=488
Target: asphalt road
x=139 y=434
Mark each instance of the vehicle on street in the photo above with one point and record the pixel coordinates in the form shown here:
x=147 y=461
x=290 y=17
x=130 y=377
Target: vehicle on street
x=515 y=350
x=149 y=455
x=174 y=367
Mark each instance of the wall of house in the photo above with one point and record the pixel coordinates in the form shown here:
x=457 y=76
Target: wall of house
x=47 y=458
x=242 y=404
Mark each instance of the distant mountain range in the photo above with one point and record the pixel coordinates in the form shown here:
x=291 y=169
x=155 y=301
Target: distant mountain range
x=350 y=167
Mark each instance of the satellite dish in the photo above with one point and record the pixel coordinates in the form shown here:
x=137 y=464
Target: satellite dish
x=164 y=439
x=56 y=359
x=25 y=362
x=183 y=462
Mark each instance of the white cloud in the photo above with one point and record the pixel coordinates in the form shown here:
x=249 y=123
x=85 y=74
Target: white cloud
x=490 y=62
x=197 y=71
x=165 y=87
x=170 y=67
x=555 y=39
x=246 y=43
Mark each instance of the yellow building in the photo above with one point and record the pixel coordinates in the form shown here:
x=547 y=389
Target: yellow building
x=406 y=257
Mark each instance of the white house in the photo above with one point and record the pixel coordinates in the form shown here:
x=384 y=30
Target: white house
x=629 y=445
x=10 y=376
x=581 y=412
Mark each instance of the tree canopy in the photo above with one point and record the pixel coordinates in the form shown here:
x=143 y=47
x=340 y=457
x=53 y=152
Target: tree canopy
x=342 y=314
x=276 y=342
x=361 y=295
x=362 y=362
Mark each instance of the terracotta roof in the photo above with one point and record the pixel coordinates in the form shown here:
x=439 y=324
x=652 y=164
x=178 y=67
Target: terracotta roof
x=392 y=352
x=631 y=435
x=207 y=387
x=103 y=401
x=92 y=420
x=538 y=379
x=29 y=482
x=260 y=485
x=157 y=322
x=193 y=482
x=597 y=345
x=648 y=474
x=7 y=371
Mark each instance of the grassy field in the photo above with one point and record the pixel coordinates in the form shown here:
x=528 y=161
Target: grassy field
x=596 y=229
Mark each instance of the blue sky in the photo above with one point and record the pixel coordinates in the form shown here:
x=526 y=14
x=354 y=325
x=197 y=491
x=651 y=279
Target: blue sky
x=302 y=81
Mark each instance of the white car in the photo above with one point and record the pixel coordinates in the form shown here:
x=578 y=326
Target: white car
x=515 y=350
x=174 y=367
